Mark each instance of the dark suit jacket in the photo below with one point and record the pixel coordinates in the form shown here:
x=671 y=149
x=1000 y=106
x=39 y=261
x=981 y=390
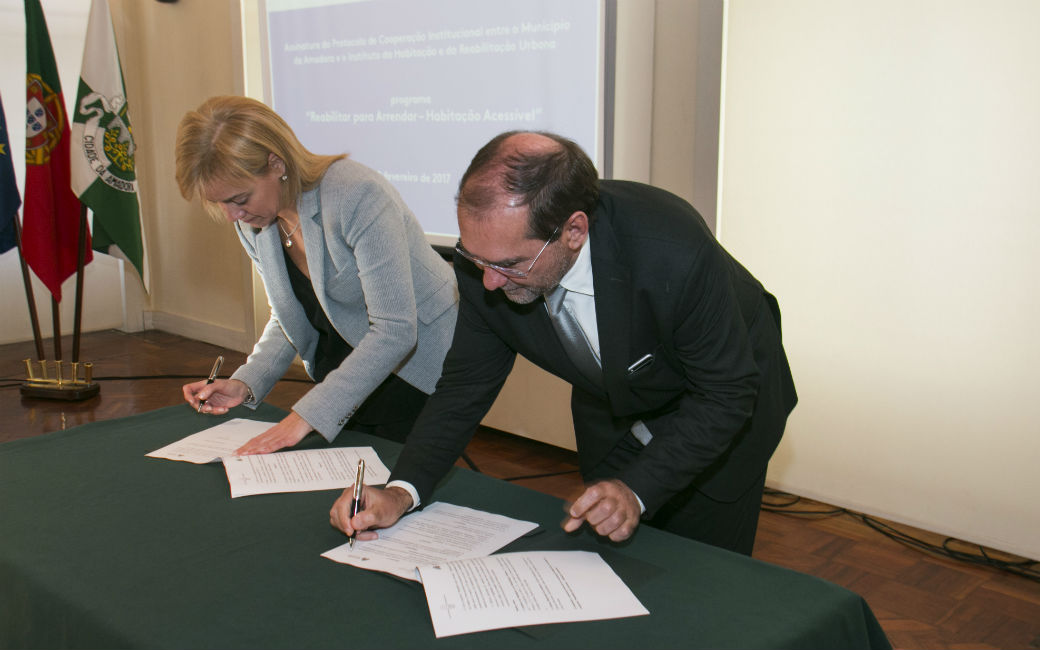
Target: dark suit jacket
x=715 y=397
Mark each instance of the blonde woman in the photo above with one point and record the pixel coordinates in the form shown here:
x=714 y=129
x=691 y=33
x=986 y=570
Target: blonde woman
x=355 y=289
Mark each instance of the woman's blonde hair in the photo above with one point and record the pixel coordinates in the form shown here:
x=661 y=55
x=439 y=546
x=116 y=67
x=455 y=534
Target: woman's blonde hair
x=230 y=139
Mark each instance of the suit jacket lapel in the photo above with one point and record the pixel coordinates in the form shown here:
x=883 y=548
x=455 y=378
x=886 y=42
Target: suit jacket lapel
x=613 y=283
x=268 y=245
x=311 y=227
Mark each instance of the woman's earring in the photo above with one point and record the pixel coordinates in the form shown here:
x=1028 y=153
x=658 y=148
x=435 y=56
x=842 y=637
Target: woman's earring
x=285 y=177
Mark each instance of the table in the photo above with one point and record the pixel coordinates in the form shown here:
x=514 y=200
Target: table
x=103 y=547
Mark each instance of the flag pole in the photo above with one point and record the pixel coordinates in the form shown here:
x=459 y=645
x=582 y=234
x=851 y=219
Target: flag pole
x=29 y=297
x=77 y=323
x=56 y=326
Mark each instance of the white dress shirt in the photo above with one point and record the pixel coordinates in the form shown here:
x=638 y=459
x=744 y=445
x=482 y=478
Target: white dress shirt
x=581 y=300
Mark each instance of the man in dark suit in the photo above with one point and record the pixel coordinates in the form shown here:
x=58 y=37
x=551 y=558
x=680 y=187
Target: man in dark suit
x=680 y=385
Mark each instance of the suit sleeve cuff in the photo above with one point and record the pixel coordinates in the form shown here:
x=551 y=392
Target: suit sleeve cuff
x=642 y=506
x=410 y=489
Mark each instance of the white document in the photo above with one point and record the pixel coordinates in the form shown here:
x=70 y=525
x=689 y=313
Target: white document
x=517 y=589
x=438 y=533
x=209 y=445
x=302 y=471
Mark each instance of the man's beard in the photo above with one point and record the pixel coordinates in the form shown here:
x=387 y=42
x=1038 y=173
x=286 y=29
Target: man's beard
x=526 y=294
x=522 y=295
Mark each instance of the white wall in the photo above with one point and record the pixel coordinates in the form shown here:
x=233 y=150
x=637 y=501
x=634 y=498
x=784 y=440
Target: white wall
x=104 y=303
x=687 y=42
x=881 y=175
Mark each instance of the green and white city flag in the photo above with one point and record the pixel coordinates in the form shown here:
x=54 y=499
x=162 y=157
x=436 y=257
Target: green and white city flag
x=103 y=174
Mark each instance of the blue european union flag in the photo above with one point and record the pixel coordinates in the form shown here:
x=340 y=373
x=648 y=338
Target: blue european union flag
x=10 y=200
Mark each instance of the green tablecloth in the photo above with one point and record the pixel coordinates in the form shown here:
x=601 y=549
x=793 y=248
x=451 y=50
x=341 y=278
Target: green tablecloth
x=101 y=546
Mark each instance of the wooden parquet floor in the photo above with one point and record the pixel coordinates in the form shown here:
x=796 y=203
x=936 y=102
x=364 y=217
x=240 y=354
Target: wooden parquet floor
x=922 y=600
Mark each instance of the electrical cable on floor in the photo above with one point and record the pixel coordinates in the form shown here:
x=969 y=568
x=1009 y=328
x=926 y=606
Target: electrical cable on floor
x=781 y=502
x=304 y=380
x=472 y=465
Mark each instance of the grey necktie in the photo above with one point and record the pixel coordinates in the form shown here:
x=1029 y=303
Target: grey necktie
x=572 y=336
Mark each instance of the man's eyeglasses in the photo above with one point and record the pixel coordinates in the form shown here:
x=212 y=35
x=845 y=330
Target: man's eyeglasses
x=505 y=270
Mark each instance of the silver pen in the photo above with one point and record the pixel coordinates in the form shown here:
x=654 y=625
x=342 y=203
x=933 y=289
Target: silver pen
x=212 y=376
x=641 y=363
x=355 y=501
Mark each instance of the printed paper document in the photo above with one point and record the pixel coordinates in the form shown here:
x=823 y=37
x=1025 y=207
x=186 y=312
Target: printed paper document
x=302 y=470
x=209 y=445
x=438 y=533
x=517 y=589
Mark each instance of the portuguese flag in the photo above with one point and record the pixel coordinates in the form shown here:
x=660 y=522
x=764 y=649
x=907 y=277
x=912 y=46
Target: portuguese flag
x=51 y=213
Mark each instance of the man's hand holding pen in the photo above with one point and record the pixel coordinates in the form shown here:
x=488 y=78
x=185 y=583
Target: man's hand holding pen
x=382 y=507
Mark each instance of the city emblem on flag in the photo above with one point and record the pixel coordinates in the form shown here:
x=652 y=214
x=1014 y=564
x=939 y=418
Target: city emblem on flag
x=108 y=143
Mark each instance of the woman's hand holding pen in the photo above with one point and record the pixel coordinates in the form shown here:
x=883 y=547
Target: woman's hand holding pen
x=218 y=395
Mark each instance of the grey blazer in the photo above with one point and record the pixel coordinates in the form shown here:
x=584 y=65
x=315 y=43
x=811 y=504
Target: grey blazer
x=383 y=287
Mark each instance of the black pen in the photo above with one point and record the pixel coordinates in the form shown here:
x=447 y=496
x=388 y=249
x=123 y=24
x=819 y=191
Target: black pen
x=212 y=375
x=355 y=500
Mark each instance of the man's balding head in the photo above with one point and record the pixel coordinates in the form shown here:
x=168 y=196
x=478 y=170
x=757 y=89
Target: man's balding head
x=548 y=174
